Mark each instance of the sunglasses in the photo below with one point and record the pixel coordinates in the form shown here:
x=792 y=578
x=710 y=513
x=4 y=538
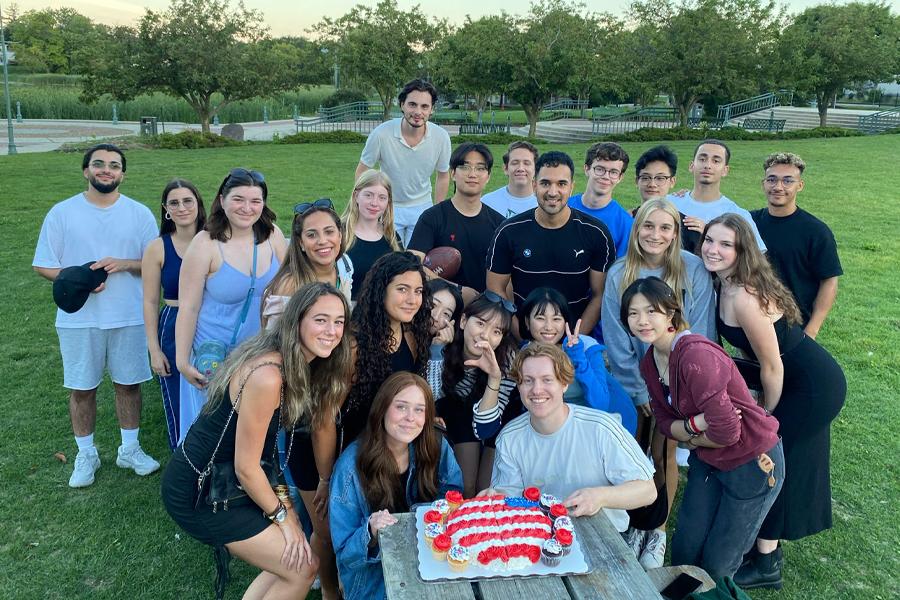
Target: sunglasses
x=498 y=299
x=241 y=173
x=304 y=207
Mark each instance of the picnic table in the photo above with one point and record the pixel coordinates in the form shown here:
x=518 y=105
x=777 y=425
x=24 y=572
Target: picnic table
x=615 y=575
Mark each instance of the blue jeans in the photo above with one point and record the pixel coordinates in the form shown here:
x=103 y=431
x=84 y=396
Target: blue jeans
x=721 y=513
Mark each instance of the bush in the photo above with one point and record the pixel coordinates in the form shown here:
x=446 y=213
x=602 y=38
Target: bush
x=338 y=136
x=653 y=134
x=495 y=139
x=343 y=96
x=192 y=139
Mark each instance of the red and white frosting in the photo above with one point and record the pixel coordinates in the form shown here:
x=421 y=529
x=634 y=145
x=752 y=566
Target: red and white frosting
x=499 y=536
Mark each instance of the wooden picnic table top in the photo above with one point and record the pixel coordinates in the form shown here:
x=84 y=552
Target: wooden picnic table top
x=615 y=575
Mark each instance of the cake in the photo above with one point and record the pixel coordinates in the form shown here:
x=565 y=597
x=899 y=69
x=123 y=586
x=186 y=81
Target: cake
x=499 y=533
x=458 y=558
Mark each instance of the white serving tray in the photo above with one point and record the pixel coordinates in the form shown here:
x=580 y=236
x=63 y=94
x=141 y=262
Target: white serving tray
x=430 y=569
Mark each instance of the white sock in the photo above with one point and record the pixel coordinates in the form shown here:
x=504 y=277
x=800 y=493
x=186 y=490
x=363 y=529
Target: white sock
x=129 y=438
x=85 y=442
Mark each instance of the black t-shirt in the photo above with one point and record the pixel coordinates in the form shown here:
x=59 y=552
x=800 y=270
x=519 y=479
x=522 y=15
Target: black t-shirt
x=803 y=252
x=400 y=491
x=443 y=225
x=364 y=254
x=558 y=258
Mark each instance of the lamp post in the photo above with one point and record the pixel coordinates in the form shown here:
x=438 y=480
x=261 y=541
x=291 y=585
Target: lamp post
x=11 y=147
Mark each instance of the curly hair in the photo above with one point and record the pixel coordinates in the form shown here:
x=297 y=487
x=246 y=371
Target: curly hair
x=753 y=271
x=371 y=327
x=454 y=353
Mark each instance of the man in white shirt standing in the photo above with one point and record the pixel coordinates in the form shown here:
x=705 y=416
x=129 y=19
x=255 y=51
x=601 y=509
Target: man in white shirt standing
x=581 y=455
x=409 y=150
x=518 y=195
x=110 y=230
x=705 y=201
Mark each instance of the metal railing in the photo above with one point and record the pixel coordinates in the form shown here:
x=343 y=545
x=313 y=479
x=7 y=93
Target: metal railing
x=657 y=117
x=880 y=121
x=746 y=106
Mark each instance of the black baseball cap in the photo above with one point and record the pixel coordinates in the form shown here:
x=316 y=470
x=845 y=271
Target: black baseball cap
x=74 y=285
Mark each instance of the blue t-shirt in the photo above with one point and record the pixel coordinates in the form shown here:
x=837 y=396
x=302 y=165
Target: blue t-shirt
x=616 y=219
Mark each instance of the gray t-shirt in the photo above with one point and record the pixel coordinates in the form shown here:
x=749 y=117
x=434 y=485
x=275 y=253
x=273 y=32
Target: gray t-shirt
x=508 y=205
x=591 y=449
x=710 y=210
x=409 y=167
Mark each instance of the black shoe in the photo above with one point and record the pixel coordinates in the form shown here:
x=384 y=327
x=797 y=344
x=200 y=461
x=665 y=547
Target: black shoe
x=761 y=571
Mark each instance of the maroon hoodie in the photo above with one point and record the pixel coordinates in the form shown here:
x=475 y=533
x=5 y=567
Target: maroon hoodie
x=704 y=379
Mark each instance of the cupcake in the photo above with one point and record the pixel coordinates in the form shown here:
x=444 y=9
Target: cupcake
x=432 y=530
x=440 y=545
x=432 y=516
x=563 y=523
x=442 y=507
x=558 y=510
x=551 y=553
x=454 y=499
x=458 y=557
x=547 y=500
x=531 y=493
x=565 y=538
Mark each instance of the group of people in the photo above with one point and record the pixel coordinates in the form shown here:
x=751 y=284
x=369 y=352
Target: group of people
x=573 y=326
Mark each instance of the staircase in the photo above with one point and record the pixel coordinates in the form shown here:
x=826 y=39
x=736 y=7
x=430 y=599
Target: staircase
x=747 y=106
x=807 y=118
x=880 y=121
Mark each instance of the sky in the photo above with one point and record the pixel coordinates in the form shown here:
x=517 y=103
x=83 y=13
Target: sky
x=294 y=17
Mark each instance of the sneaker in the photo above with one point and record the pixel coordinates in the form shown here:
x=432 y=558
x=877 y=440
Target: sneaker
x=316 y=584
x=136 y=459
x=634 y=539
x=762 y=571
x=654 y=552
x=86 y=464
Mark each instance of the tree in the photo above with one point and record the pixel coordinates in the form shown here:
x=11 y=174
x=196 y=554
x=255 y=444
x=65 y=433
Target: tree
x=595 y=45
x=472 y=58
x=709 y=47
x=380 y=47
x=829 y=47
x=196 y=49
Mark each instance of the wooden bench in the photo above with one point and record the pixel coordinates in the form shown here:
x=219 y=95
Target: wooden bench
x=616 y=573
x=663 y=576
x=771 y=125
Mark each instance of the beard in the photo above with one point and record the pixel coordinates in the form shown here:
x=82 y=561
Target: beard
x=105 y=188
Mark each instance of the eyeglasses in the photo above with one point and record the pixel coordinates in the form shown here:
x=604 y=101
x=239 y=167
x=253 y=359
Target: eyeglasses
x=498 y=299
x=601 y=171
x=657 y=179
x=479 y=169
x=772 y=181
x=186 y=203
x=112 y=166
x=304 y=207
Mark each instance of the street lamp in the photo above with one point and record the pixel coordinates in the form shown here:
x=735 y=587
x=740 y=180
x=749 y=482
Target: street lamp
x=11 y=148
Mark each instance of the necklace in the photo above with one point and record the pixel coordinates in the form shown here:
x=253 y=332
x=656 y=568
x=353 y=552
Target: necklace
x=662 y=366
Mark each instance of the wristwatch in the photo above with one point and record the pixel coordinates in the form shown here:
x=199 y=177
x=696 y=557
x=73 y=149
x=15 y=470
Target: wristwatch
x=279 y=516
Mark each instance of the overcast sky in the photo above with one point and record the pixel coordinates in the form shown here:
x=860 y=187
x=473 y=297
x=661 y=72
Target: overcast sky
x=293 y=17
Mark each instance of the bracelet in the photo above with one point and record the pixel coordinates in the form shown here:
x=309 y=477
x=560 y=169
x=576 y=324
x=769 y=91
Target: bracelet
x=323 y=480
x=694 y=424
x=688 y=429
x=488 y=386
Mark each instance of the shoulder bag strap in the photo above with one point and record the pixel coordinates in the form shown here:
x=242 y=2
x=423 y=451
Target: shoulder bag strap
x=246 y=308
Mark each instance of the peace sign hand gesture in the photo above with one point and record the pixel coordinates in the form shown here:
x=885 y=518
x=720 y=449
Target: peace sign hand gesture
x=572 y=335
x=487 y=362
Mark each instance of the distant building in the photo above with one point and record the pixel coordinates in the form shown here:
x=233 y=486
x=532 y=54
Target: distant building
x=9 y=53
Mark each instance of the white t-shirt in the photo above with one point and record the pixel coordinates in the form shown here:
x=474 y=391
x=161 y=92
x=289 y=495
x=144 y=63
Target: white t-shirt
x=76 y=232
x=409 y=168
x=591 y=449
x=508 y=205
x=707 y=211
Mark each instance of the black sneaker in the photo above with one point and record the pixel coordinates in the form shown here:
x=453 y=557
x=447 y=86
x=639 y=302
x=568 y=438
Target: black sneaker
x=761 y=571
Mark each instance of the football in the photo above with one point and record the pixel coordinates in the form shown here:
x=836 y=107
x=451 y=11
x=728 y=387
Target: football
x=444 y=261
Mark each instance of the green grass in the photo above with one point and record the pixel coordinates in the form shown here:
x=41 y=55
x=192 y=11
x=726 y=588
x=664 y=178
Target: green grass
x=114 y=540
x=57 y=97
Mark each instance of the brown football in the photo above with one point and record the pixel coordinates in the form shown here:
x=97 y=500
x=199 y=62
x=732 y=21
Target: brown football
x=444 y=261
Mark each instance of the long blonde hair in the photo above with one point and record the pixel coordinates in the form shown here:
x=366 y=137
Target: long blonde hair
x=351 y=213
x=673 y=272
x=312 y=392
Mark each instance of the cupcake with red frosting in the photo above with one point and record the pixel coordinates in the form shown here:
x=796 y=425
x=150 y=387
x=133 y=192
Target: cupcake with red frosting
x=454 y=499
x=565 y=539
x=532 y=494
x=546 y=501
x=558 y=510
x=440 y=545
x=432 y=516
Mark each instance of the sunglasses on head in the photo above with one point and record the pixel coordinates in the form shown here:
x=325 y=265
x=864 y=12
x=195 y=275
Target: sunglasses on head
x=304 y=207
x=498 y=299
x=241 y=173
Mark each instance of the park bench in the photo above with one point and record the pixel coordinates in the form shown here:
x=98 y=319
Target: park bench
x=483 y=128
x=702 y=122
x=770 y=125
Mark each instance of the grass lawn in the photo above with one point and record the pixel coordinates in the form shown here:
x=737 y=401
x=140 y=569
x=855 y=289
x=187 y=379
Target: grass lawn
x=114 y=539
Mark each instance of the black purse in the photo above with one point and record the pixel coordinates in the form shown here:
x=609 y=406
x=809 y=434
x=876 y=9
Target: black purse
x=648 y=518
x=749 y=370
x=218 y=484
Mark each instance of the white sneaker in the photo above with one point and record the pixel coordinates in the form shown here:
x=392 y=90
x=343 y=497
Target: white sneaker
x=634 y=539
x=654 y=553
x=136 y=459
x=317 y=584
x=86 y=464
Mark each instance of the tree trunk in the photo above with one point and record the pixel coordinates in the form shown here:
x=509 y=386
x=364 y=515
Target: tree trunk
x=532 y=111
x=387 y=101
x=822 y=107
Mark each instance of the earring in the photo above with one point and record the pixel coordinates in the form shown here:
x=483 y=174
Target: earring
x=168 y=216
x=670 y=328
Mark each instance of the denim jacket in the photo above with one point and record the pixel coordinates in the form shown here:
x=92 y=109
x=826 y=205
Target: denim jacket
x=359 y=565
